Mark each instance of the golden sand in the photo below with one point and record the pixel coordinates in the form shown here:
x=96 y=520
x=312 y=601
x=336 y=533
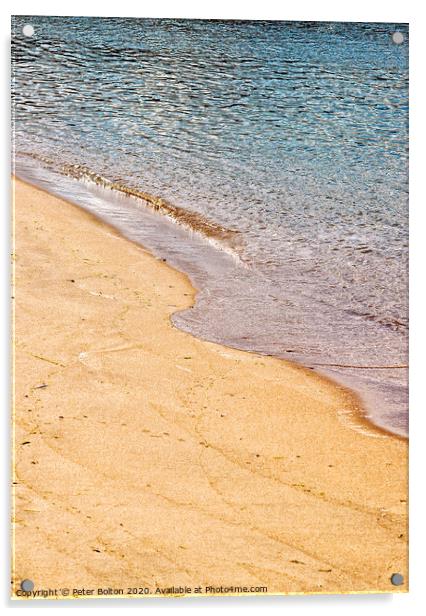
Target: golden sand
x=146 y=458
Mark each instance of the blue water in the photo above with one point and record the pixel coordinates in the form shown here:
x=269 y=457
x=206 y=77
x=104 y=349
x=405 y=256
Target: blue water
x=292 y=135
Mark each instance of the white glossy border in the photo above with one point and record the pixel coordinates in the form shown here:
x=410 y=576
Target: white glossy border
x=320 y=10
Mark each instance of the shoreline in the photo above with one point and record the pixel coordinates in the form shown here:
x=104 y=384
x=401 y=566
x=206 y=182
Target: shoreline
x=360 y=414
x=49 y=230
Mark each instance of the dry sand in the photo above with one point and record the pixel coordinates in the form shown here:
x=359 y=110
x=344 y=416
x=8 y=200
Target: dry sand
x=145 y=457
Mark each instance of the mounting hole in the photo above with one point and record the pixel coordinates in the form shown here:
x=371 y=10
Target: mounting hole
x=28 y=30
x=397 y=579
x=27 y=585
x=398 y=38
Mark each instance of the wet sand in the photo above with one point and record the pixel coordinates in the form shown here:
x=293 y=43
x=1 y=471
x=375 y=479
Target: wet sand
x=147 y=458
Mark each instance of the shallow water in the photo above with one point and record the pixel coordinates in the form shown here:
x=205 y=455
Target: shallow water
x=292 y=135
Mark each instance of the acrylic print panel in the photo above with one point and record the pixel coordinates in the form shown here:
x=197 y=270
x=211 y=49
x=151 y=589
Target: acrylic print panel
x=210 y=291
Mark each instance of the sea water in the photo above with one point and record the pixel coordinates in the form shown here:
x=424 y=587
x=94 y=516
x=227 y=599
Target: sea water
x=266 y=159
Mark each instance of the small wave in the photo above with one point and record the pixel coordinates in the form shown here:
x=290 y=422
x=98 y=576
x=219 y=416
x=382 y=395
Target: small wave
x=189 y=219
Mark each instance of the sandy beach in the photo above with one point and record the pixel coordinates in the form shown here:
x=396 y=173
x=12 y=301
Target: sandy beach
x=146 y=458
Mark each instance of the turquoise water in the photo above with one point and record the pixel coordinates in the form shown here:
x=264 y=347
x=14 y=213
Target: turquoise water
x=290 y=138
